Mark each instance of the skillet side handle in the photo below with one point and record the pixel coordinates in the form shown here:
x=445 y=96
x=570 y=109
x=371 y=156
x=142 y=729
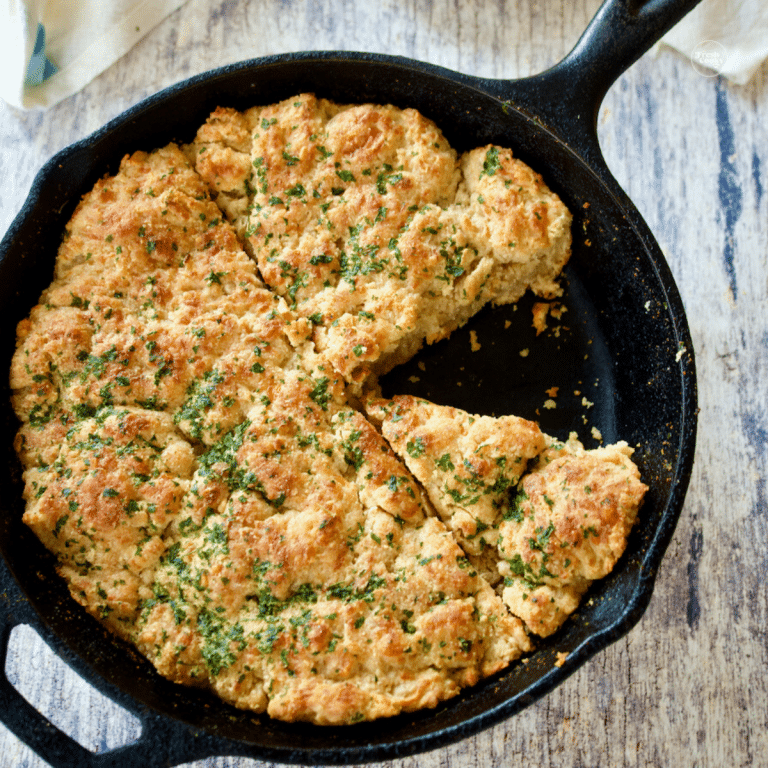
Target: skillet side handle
x=27 y=724
x=567 y=97
x=161 y=744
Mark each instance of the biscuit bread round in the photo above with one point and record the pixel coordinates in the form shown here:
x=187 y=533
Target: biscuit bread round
x=195 y=448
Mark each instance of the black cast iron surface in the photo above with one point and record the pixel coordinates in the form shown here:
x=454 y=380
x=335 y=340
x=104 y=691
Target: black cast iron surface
x=624 y=345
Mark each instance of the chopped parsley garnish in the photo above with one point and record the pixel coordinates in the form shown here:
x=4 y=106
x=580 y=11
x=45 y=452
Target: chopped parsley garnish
x=297 y=190
x=199 y=401
x=320 y=393
x=385 y=177
x=221 y=641
x=444 y=463
x=491 y=164
x=415 y=447
x=348 y=593
x=60 y=523
x=515 y=512
x=542 y=537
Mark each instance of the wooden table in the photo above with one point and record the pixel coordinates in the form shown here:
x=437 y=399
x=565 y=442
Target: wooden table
x=687 y=687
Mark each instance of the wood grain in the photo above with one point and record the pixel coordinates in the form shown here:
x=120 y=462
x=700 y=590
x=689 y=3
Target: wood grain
x=687 y=687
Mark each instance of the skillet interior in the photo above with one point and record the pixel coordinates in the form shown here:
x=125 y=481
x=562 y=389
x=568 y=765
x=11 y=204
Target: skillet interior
x=624 y=315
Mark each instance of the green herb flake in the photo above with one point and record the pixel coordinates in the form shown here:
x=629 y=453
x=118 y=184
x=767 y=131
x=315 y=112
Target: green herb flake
x=297 y=190
x=415 y=447
x=60 y=523
x=320 y=393
x=491 y=164
x=444 y=463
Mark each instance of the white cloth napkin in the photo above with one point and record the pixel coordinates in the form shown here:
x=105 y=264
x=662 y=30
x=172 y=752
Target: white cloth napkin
x=724 y=37
x=50 y=49
x=81 y=39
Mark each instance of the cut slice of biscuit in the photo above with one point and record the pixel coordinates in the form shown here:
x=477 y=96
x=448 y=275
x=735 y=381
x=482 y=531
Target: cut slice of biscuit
x=544 y=518
x=373 y=230
x=468 y=465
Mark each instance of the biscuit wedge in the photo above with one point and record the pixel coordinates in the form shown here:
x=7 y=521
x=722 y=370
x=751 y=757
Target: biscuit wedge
x=378 y=235
x=542 y=519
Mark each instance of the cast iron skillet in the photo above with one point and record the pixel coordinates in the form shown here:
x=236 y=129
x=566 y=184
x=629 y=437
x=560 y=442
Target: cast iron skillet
x=627 y=349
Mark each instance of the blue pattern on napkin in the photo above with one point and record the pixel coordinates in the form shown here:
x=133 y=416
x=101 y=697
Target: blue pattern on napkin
x=40 y=67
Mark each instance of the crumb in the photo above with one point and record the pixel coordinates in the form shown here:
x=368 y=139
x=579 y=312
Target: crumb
x=507 y=323
x=558 y=310
x=540 y=312
x=524 y=352
x=550 y=404
x=473 y=343
x=552 y=391
x=577 y=392
x=421 y=366
x=597 y=434
x=561 y=657
x=680 y=353
x=586 y=403
x=414 y=379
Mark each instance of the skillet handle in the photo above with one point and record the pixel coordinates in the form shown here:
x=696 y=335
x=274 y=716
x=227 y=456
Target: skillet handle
x=567 y=97
x=25 y=722
x=162 y=742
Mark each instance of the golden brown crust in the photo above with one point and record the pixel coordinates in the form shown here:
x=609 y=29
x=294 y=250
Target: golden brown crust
x=467 y=463
x=190 y=449
x=573 y=515
x=104 y=502
x=210 y=495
